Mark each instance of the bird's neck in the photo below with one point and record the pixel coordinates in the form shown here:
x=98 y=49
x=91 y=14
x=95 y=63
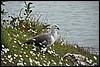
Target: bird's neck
x=54 y=33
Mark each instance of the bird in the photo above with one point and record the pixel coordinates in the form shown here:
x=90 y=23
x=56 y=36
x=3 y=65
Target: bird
x=44 y=39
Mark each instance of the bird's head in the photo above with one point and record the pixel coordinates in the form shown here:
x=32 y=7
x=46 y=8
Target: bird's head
x=55 y=27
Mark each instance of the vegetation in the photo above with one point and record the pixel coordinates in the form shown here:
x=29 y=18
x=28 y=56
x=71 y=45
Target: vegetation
x=15 y=53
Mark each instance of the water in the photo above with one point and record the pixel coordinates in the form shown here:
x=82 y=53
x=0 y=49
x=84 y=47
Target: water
x=78 y=20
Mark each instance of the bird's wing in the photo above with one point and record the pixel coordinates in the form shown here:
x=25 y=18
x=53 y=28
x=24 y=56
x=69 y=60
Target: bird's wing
x=42 y=39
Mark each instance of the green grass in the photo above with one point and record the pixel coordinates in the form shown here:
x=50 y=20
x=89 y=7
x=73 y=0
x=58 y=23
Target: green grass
x=11 y=39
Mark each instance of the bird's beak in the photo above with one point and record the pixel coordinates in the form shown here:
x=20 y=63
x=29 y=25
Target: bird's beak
x=58 y=28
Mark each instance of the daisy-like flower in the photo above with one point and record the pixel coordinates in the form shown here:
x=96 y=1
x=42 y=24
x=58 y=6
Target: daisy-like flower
x=34 y=49
x=30 y=60
x=15 y=55
x=95 y=57
x=20 y=55
x=60 y=62
x=21 y=59
x=26 y=55
x=24 y=63
x=9 y=56
x=17 y=35
x=24 y=52
x=24 y=35
x=20 y=64
x=4 y=62
x=5 y=50
x=2 y=46
x=14 y=41
x=23 y=26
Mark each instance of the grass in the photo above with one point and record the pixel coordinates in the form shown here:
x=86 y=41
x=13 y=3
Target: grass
x=12 y=38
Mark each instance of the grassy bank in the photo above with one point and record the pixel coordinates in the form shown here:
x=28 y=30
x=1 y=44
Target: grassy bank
x=14 y=52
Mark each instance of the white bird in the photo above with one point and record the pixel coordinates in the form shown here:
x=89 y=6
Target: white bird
x=45 y=39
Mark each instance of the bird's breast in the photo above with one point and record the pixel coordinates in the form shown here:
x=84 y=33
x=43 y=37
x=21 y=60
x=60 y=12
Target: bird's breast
x=52 y=39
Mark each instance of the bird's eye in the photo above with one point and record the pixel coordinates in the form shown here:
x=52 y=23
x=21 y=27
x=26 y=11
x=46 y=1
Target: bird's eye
x=55 y=26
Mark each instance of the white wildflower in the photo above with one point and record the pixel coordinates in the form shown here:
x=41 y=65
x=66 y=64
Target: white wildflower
x=12 y=27
x=45 y=61
x=24 y=52
x=53 y=62
x=23 y=26
x=30 y=26
x=36 y=58
x=49 y=51
x=21 y=48
x=10 y=38
x=60 y=62
x=20 y=55
x=48 y=63
x=31 y=52
x=61 y=59
x=24 y=35
x=2 y=53
x=20 y=64
x=8 y=34
x=38 y=54
x=9 y=56
x=41 y=58
x=15 y=55
x=21 y=59
x=19 y=42
x=34 y=49
x=26 y=47
x=26 y=55
x=83 y=63
x=13 y=46
x=4 y=62
x=90 y=61
x=34 y=31
x=94 y=64
x=2 y=58
x=14 y=41
x=44 y=64
x=24 y=63
x=66 y=60
x=95 y=57
x=44 y=49
x=18 y=28
x=14 y=38
x=2 y=46
x=15 y=29
x=22 y=45
x=21 y=32
x=30 y=60
x=67 y=64
x=75 y=46
x=5 y=50
x=61 y=43
x=50 y=47
x=14 y=35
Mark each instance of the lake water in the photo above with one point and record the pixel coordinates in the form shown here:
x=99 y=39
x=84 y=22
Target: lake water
x=78 y=20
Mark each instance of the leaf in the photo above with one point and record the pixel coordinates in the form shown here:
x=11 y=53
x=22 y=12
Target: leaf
x=28 y=7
